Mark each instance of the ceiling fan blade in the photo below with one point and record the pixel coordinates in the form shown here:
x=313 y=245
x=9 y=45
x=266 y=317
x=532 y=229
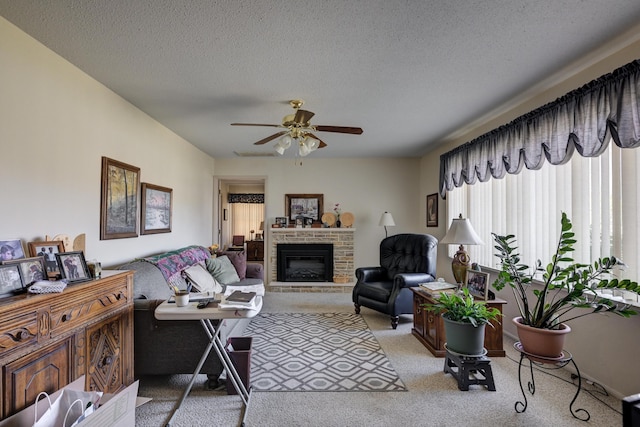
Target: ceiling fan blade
x=322 y=143
x=271 y=138
x=339 y=129
x=255 y=124
x=303 y=116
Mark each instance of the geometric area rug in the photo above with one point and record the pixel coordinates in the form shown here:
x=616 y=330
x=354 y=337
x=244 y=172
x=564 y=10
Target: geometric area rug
x=318 y=352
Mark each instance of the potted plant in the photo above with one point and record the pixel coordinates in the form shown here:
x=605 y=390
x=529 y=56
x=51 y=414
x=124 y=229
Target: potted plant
x=566 y=286
x=464 y=321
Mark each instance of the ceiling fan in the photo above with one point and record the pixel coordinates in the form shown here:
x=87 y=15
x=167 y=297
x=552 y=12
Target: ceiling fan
x=298 y=128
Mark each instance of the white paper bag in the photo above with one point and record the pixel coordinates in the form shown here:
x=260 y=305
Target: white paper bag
x=67 y=409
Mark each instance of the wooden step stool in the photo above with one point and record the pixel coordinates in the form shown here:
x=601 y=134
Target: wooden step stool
x=469 y=370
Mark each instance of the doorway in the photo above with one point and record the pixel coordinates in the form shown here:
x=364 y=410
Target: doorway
x=240 y=211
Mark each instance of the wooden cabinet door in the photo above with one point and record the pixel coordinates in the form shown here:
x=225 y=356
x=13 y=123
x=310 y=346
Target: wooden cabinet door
x=108 y=369
x=255 y=250
x=419 y=316
x=48 y=369
x=432 y=328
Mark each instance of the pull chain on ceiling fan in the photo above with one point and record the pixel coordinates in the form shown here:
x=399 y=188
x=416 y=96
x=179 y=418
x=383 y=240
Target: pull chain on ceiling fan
x=299 y=129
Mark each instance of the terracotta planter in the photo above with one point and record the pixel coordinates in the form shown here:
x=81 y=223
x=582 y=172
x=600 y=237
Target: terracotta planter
x=542 y=342
x=464 y=338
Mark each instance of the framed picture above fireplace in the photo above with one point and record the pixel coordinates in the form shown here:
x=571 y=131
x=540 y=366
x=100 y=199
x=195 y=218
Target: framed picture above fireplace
x=304 y=205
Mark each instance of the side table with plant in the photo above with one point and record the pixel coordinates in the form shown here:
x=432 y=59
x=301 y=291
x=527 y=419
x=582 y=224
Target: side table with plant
x=566 y=286
x=464 y=321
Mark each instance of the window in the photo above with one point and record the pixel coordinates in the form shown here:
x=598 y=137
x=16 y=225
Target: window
x=600 y=195
x=246 y=217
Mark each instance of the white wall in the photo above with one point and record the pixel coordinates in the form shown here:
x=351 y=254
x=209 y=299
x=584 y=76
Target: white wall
x=56 y=123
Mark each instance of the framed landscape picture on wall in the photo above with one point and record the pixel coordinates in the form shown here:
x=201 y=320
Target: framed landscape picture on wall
x=119 y=200
x=156 y=209
x=305 y=205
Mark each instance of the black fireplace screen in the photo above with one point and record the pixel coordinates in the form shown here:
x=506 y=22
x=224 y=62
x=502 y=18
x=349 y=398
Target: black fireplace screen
x=305 y=262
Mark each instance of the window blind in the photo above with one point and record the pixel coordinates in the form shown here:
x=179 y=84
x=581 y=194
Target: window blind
x=600 y=195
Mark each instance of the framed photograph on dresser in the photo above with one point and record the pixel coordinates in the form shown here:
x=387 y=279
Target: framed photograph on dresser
x=73 y=267
x=10 y=280
x=31 y=269
x=11 y=249
x=48 y=251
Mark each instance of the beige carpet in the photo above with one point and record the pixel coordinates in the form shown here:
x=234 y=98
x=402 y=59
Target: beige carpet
x=433 y=398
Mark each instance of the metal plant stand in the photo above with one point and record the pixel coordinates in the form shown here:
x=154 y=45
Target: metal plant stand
x=548 y=363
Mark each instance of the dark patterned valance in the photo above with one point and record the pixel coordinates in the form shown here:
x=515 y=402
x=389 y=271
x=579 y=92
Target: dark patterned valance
x=245 y=198
x=585 y=120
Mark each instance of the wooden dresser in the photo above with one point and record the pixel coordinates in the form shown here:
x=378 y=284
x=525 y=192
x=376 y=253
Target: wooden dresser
x=50 y=340
x=428 y=327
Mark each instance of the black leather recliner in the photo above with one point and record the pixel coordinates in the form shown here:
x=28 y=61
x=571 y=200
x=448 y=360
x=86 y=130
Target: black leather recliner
x=406 y=260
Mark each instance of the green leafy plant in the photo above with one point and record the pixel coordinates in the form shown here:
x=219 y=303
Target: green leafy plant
x=567 y=285
x=463 y=308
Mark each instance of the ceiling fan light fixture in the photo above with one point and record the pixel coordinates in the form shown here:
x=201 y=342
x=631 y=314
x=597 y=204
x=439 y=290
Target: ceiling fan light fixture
x=311 y=143
x=279 y=149
x=303 y=150
x=297 y=127
x=285 y=141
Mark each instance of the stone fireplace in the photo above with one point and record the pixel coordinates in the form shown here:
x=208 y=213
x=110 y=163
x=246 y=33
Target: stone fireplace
x=341 y=241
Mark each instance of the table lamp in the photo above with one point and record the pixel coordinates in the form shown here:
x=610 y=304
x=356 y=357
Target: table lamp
x=387 y=221
x=461 y=233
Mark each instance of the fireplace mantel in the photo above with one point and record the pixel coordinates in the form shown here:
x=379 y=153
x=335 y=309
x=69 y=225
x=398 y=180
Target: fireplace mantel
x=343 y=250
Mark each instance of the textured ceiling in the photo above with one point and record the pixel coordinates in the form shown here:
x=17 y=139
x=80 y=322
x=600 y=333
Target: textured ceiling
x=408 y=72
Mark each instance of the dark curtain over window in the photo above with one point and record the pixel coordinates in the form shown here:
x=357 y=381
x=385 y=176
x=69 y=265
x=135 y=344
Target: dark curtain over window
x=245 y=198
x=585 y=120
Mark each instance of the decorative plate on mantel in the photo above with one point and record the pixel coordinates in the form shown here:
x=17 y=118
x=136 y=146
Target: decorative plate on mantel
x=347 y=219
x=328 y=218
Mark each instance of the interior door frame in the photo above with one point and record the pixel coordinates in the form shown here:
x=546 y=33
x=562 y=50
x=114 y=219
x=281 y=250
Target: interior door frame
x=221 y=226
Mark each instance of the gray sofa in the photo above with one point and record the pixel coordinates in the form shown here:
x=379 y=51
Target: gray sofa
x=163 y=347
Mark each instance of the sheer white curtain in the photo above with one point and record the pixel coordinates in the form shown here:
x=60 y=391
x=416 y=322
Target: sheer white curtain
x=246 y=217
x=599 y=194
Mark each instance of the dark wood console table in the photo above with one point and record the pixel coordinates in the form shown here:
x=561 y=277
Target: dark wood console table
x=255 y=250
x=428 y=327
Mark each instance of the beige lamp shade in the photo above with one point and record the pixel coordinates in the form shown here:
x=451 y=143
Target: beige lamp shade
x=386 y=220
x=461 y=233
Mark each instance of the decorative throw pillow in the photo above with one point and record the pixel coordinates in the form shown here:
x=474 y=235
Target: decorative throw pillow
x=202 y=280
x=222 y=270
x=239 y=261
